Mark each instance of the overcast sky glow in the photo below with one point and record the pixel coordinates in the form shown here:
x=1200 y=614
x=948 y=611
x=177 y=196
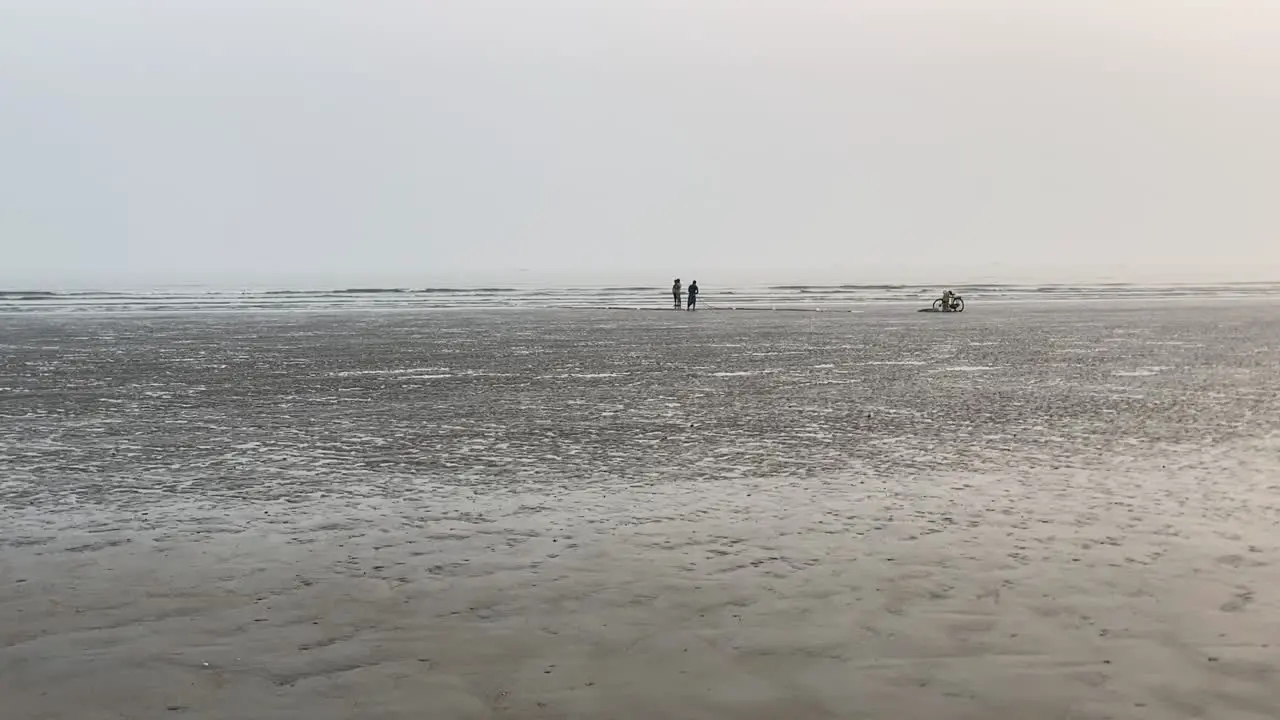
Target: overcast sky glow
x=184 y=138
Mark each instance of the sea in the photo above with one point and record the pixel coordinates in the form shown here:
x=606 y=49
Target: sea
x=741 y=296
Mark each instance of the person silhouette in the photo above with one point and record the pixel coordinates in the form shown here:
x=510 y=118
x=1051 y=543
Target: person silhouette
x=693 y=295
x=675 y=292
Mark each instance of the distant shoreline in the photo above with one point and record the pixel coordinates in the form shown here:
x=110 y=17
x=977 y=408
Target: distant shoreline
x=770 y=296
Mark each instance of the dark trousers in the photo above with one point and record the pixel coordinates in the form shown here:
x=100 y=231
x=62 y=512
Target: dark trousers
x=676 y=294
x=693 y=300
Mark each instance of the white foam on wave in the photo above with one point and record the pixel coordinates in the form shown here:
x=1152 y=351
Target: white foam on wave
x=388 y=371
x=585 y=376
x=1142 y=372
x=745 y=373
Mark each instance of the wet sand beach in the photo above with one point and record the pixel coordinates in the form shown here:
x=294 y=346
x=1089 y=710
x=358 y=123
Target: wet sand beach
x=1031 y=510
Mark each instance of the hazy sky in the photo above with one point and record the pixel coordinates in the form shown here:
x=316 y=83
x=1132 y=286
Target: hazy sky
x=183 y=138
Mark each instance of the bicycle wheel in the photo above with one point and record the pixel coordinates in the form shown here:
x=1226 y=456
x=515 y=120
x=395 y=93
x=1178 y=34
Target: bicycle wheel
x=937 y=304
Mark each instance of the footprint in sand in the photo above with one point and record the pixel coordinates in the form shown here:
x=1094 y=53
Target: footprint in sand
x=1239 y=602
x=1239 y=561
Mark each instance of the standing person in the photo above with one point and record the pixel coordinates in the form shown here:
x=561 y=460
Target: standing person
x=675 y=292
x=693 y=294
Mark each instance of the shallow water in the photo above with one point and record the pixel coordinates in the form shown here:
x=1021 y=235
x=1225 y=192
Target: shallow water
x=271 y=406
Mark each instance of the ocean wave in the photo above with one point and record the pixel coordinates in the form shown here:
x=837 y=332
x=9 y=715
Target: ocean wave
x=26 y=294
x=457 y=291
x=370 y=291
